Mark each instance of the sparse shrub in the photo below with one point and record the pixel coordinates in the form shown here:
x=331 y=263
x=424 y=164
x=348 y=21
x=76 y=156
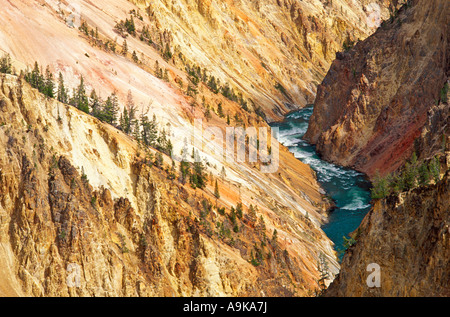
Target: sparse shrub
x=380 y=188
x=5 y=64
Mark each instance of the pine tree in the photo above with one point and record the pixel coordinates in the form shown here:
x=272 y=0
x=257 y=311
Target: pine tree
x=198 y=176
x=165 y=76
x=216 y=190
x=5 y=64
x=36 y=79
x=125 y=48
x=223 y=173
x=153 y=132
x=112 y=109
x=397 y=183
x=130 y=26
x=81 y=98
x=129 y=114
x=125 y=121
x=95 y=104
x=380 y=188
x=158 y=70
x=410 y=172
x=49 y=86
x=220 y=110
x=162 y=141
x=435 y=167
x=424 y=174
x=167 y=53
x=108 y=112
x=239 y=213
x=62 y=95
x=184 y=171
x=135 y=57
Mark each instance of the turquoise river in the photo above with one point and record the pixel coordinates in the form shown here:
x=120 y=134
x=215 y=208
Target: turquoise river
x=349 y=189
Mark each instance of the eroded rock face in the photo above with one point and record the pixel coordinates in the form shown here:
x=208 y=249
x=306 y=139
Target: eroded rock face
x=274 y=50
x=373 y=102
x=407 y=236
x=82 y=214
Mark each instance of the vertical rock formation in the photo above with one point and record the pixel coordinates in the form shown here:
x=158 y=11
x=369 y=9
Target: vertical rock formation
x=373 y=102
x=382 y=100
x=408 y=237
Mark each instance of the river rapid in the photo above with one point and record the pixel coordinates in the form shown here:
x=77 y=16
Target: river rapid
x=349 y=189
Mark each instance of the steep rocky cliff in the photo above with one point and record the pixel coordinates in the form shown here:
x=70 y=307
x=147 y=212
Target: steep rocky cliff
x=84 y=212
x=373 y=102
x=407 y=236
x=83 y=208
x=275 y=51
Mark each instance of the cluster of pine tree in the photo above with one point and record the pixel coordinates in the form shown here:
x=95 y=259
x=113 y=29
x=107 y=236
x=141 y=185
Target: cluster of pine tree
x=197 y=75
x=127 y=26
x=194 y=172
x=144 y=130
x=41 y=81
x=412 y=175
x=94 y=105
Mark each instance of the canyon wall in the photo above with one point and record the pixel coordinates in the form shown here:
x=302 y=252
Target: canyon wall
x=85 y=212
x=407 y=237
x=373 y=102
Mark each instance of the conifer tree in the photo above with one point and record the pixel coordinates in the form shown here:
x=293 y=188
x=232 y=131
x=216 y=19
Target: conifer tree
x=216 y=190
x=62 y=95
x=49 y=86
x=220 y=110
x=125 y=121
x=380 y=188
x=435 y=167
x=129 y=114
x=184 y=171
x=110 y=108
x=80 y=98
x=125 y=48
x=36 y=79
x=135 y=57
x=424 y=174
x=5 y=64
x=95 y=104
x=198 y=176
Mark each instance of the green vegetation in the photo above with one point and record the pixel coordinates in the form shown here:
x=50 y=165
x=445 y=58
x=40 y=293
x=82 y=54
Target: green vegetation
x=412 y=175
x=62 y=94
x=5 y=64
x=348 y=44
x=44 y=83
x=443 y=93
x=348 y=242
x=216 y=190
x=94 y=202
x=322 y=267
